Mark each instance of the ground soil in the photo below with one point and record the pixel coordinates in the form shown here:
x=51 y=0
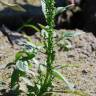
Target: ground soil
x=82 y=53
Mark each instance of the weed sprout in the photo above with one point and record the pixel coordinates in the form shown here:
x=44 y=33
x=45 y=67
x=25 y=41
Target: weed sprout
x=40 y=83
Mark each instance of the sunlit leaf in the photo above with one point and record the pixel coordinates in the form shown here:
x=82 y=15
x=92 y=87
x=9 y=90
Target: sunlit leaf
x=62 y=9
x=66 y=65
x=43 y=7
x=41 y=26
x=22 y=65
x=18 y=55
x=32 y=26
x=61 y=77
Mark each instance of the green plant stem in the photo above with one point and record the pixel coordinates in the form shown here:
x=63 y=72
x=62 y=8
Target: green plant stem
x=50 y=59
x=50 y=14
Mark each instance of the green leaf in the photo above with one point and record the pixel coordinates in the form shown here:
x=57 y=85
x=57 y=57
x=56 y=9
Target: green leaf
x=42 y=68
x=14 y=78
x=38 y=86
x=42 y=26
x=30 y=55
x=18 y=55
x=66 y=65
x=62 y=9
x=74 y=92
x=32 y=26
x=43 y=7
x=61 y=77
x=22 y=66
x=21 y=55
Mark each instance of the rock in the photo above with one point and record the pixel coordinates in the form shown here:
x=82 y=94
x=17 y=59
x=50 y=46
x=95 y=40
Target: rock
x=84 y=72
x=14 y=20
x=86 y=18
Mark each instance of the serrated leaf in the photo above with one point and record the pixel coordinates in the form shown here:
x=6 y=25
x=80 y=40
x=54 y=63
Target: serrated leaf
x=58 y=75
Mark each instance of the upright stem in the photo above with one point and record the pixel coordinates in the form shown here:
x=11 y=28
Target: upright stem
x=50 y=14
